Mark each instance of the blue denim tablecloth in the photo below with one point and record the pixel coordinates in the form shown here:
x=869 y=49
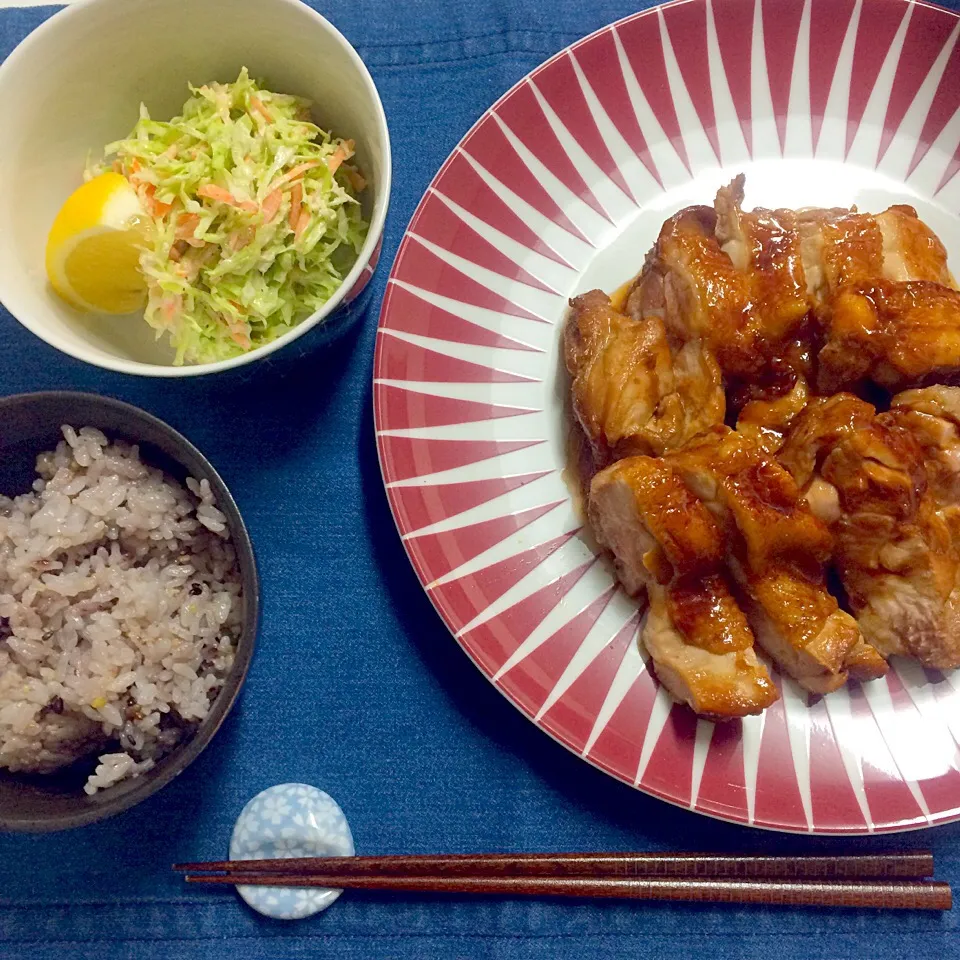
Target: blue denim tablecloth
x=356 y=686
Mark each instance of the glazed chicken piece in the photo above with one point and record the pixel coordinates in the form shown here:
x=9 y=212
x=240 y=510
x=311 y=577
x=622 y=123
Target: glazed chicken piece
x=844 y=247
x=932 y=417
x=880 y=288
x=674 y=284
x=864 y=474
x=632 y=393
x=894 y=552
x=812 y=252
x=764 y=245
x=777 y=552
x=664 y=539
x=739 y=309
x=893 y=333
x=756 y=286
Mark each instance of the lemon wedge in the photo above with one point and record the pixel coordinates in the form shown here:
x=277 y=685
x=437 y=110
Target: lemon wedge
x=93 y=250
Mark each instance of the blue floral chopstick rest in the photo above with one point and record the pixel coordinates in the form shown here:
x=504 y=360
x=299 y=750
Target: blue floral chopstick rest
x=290 y=820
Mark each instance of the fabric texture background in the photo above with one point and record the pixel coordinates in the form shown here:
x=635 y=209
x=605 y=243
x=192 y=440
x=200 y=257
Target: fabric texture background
x=357 y=687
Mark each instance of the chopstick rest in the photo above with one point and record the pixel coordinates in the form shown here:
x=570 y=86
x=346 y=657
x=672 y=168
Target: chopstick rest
x=290 y=820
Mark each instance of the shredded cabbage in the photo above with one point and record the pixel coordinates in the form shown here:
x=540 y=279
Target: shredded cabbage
x=252 y=217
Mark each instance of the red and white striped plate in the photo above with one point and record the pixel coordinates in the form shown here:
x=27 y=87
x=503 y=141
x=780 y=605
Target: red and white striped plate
x=561 y=187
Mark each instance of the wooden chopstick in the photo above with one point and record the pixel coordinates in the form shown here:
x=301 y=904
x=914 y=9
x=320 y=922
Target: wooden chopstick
x=891 y=895
x=912 y=864
x=891 y=881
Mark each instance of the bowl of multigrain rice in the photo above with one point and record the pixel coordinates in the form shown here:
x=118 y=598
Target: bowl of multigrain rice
x=129 y=604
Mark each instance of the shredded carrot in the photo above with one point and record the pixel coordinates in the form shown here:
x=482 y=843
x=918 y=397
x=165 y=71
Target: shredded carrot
x=239 y=331
x=271 y=205
x=343 y=152
x=147 y=194
x=257 y=104
x=303 y=222
x=296 y=199
x=294 y=173
x=355 y=178
x=187 y=224
x=176 y=252
x=240 y=337
x=212 y=192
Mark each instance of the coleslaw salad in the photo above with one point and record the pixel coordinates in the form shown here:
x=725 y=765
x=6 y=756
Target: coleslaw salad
x=251 y=217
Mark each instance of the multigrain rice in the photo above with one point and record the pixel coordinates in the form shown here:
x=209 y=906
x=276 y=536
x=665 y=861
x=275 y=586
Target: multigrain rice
x=119 y=611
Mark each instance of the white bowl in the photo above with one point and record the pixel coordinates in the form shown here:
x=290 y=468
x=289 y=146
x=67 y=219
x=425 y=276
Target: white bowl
x=76 y=84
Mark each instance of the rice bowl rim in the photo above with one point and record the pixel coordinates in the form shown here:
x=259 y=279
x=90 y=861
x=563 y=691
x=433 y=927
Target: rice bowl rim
x=140 y=427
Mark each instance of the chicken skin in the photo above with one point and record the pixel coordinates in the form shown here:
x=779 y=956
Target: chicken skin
x=741 y=314
x=665 y=540
x=777 y=553
x=632 y=393
x=895 y=334
x=758 y=287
